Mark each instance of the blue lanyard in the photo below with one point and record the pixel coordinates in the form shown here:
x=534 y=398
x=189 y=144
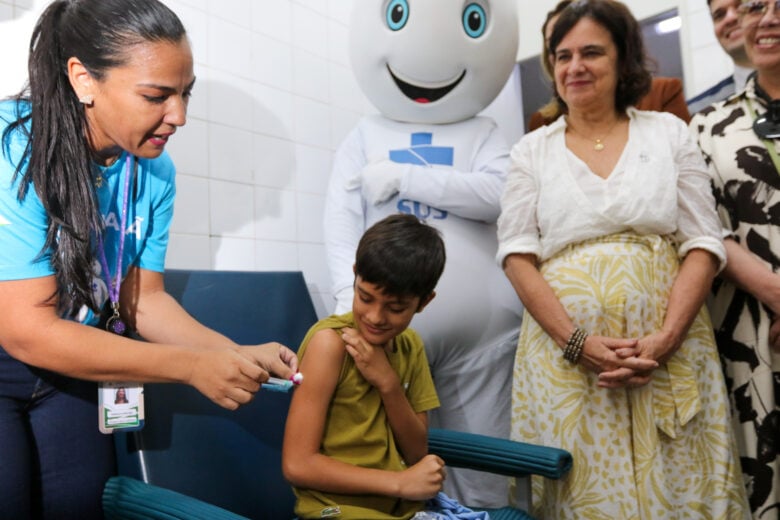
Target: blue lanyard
x=115 y=323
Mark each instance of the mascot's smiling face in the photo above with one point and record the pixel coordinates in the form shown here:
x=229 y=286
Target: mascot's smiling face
x=432 y=61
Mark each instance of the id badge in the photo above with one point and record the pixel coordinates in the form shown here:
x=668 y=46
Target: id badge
x=120 y=407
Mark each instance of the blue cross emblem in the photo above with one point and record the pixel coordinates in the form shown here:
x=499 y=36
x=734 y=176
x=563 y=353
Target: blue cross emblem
x=423 y=153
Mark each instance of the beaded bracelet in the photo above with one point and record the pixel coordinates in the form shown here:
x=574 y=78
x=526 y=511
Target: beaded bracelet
x=572 y=351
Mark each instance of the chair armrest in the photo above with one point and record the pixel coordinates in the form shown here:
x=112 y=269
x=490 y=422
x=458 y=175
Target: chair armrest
x=501 y=456
x=126 y=498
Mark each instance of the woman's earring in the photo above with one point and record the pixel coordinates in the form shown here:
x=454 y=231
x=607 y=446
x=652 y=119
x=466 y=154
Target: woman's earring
x=87 y=100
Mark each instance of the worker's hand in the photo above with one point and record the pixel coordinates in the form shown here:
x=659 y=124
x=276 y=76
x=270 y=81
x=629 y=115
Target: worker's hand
x=273 y=357
x=226 y=376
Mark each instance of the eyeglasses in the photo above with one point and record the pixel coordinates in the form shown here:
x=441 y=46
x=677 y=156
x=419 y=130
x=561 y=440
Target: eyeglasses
x=752 y=11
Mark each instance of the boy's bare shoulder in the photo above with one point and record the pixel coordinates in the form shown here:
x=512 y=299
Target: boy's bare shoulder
x=326 y=342
x=328 y=336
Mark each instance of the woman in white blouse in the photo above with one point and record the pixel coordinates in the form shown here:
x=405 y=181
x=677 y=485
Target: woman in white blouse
x=609 y=235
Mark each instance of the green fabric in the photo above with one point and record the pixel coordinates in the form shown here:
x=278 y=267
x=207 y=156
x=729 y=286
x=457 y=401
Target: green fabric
x=357 y=431
x=125 y=498
x=502 y=456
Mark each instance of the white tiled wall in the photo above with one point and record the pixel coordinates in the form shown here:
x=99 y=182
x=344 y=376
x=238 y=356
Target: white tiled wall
x=274 y=98
x=6 y=12
x=280 y=99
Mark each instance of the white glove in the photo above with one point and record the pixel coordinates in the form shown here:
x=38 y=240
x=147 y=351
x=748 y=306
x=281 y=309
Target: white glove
x=381 y=180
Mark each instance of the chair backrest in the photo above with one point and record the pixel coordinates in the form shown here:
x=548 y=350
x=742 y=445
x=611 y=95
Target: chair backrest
x=191 y=445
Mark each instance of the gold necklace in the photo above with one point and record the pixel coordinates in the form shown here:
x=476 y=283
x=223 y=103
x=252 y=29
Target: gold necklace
x=99 y=175
x=599 y=141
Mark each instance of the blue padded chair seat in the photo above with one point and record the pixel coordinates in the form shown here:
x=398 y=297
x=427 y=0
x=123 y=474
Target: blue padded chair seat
x=507 y=513
x=131 y=499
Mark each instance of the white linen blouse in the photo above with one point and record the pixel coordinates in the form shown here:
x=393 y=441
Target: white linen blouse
x=659 y=186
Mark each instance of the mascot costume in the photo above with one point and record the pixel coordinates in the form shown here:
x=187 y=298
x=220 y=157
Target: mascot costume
x=429 y=67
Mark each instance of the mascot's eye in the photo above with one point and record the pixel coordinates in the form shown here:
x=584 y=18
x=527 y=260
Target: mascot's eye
x=474 y=20
x=397 y=14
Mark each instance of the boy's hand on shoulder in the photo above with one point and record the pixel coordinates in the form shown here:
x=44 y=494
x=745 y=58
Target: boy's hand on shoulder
x=371 y=360
x=423 y=480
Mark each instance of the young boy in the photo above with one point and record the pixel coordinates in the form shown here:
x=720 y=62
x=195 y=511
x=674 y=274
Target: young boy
x=356 y=439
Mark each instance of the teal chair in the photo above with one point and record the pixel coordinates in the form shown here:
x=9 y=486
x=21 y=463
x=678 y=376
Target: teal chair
x=194 y=460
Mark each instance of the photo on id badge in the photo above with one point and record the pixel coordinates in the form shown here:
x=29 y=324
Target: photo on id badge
x=120 y=407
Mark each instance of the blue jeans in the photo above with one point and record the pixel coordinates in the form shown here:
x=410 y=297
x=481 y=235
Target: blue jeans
x=53 y=460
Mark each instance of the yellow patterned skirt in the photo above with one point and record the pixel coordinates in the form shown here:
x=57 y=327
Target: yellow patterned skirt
x=661 y=451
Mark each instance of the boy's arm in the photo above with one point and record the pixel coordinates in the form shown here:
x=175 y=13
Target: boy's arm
x=410 y=429
x=303 y=464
